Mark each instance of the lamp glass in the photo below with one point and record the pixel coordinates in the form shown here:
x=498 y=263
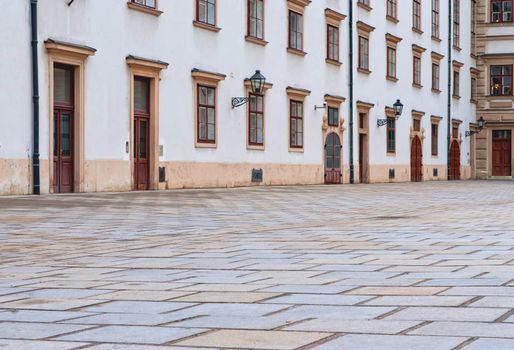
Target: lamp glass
x=257 y=80
x=398 y=108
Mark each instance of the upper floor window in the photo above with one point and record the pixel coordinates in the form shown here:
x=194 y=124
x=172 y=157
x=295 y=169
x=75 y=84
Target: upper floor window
x=435 y=76
x=332 y=43
x=434 y=139
x=501 y=80
x=473 y=26
x=363 y=53
x=391 y=62
x=501 y=11
x=364 y=2
x=147 y=3
x=456 y=23
x=391 y=135
x=295 y=31
x=392 y=8
x=416 y=71
x=256 y=120
x=333 y=116
x=416 y=15
x=456 y=83
x=256 y=19
x=435 y=19
x=473 y=89
x=206 y=11
x=296 y=124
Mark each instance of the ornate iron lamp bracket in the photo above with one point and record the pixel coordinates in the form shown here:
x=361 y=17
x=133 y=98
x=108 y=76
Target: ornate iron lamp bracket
x=239 y=101
x=381 y=122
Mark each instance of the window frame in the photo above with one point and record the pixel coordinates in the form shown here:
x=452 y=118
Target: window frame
x=257 y=114
x=215 y=15
x=502 y=12
x=456 y=24
x=333 y=47
x=502 y=76
x=292 y=117
x=416 y=70
x=391 y=135
x=434 y=142
x=392 y=68
x=417 y=16
x=298 y=31
x=154 y=7
x=436 y=78
x=436 y=20
x=362 y=55
x=257 y=19
x=392 y=9
x=208 y=107
x=336 y=109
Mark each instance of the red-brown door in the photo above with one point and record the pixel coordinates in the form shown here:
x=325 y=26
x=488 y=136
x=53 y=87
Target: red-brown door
x=502 y=153
x=141 y=134
x=63 y=133
x=333 y=159
x=416 y=160
x=455 y=161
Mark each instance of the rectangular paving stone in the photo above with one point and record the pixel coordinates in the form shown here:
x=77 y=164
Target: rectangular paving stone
x=491 y=344
x=467 y=329
x=308 y=289
x=14 y=344
x=131 y=319
x=419 y=300
x=354 y=326
x=391 y=342
x=334 y=312
x=233 y=322
x=141 y=295
x=132 y=334
x=50 y=304
x=228 y=297
x=272 y=340
x=397 y=290
x=137 y=307
x=24 y=330
x=480 y=291
x=490 y=301
x=449 y=314
x=39 y=315
x=322 y=299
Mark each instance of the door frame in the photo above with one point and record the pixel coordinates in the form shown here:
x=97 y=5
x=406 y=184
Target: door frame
x=456 y=142
x=60 y=53
x=340 y=159
x=511 y=151
x=490 y=146
x=150 y=69
x=413 y=138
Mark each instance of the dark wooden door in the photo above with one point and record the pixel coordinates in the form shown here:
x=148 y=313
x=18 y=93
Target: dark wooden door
x=455 y=161
x=502 y=153
x=416 y=160
x=333 y=159
x=141 y=134
x=63 y=151
x=362 y=175
x=63 y=130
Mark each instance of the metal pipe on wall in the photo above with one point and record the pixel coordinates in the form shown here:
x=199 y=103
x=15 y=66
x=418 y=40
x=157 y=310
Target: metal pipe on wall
x=35 y=100
x=352 y=169
x=449 y=95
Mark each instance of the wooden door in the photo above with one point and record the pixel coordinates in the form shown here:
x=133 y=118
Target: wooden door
x=455 y=161
x=63 y=130
x=362 y=160
x=141 y=134
x=333 y=159
x=502 y=153
x=416 y=160
x=63 y=151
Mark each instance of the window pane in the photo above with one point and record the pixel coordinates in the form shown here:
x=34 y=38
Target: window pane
x=141 y=95
x=62 y=85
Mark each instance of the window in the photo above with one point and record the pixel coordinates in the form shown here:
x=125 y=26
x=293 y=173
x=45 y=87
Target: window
x=455 y=132
x=391 y=135
x=332 y=43
x=435 y=139
x=391 y=62
x=435 y=19
x=256 y=120
x=364 y=2
x=416 y=15
x=256 y=19
x=363 y=53
x=473 y=27
x=456 y=83
x=501 y=11
x=206 y=114
x=473 y=89
x=456 y=23
x=435 y=76
x=416 y=71
x=296 y=124
x=333 y=116
x=501 y=80
x=206 y=11
x=416 y=124
x=147 y=3
x=295 y=31
x=392 y=8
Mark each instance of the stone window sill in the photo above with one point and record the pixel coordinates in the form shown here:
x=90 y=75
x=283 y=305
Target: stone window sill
x=254 y=40
x=417 y=30
x=363 y=70
x=333 y=62
x=417 y=86
x=296 y=52
x=364 y=6
x=393 y=79
x=133 y=6
x=392 y=19
x=206 y=26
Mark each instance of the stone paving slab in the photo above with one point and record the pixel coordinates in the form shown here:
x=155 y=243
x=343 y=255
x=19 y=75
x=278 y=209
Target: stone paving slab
x=393 y=266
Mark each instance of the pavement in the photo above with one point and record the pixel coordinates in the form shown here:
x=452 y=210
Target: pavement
x=391 y=266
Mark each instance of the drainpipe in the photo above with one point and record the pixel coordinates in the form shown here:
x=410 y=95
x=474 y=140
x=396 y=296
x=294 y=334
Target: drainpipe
x=450 y=70
x=352 y=170
x=35 y=99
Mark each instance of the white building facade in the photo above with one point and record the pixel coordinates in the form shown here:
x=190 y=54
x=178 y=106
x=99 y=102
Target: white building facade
x=139 y=95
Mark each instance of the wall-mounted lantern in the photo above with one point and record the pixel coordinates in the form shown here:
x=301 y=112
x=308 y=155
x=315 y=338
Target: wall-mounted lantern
x=481 y=125
x=257 y=82
x=398 y=110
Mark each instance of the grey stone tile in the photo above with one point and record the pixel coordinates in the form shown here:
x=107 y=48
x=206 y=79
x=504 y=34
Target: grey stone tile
x=14 y=344
x=137 y=307
x=39 y=315
x=354 y=326
x=321 y=299
x=491 y=344
x=467 y=329
x=449 y=314
x=24 y=330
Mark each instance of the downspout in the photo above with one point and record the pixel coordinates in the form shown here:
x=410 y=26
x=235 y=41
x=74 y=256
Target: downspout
x=352 y=170
x=450 y=70
x=35 y=99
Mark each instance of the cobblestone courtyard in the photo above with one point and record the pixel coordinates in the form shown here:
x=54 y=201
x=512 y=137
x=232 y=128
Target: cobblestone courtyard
x=425 y=266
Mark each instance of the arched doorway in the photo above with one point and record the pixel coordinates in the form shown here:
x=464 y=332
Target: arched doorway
x=455 y=161
x=333 y=159
x=416 y=160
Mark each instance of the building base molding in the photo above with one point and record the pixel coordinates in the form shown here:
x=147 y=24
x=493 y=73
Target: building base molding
x=16 y=176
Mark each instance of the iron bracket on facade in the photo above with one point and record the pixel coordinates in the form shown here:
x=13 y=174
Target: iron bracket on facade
x=70 y=2
x=239 y=101
x=381 y=122
x=320 y=107
x=471 y=132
